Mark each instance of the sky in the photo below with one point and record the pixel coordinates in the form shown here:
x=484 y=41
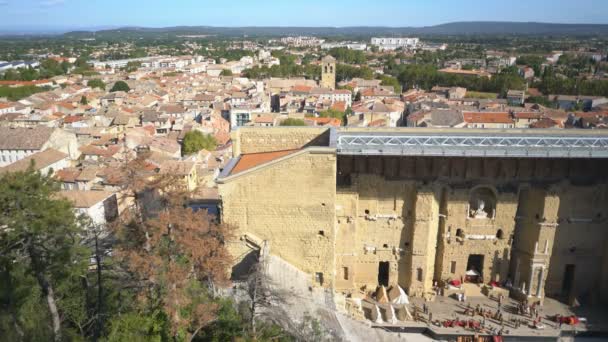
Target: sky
x=71 y=14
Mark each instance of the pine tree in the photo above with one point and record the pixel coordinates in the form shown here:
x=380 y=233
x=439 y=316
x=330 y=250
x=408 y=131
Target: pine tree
x=40 y=235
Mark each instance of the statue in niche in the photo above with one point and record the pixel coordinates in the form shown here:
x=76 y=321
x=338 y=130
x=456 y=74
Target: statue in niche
x=480 y=213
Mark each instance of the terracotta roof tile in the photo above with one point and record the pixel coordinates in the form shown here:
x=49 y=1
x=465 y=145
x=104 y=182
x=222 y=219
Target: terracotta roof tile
x=339 y=106
x=488 y=117
x=249 y=161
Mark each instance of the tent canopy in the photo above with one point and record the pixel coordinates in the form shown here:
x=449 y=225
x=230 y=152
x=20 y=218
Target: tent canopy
x=472 y=273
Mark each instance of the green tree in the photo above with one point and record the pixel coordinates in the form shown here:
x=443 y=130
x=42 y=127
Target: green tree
x=18 y=93
x=11 y=75
x=132 y=66
x=84 y=101
x=28 y=74
x=138 y=53
x=65 y=66
x=40 y=237
x=293 y=122
x=195 y=141
x=391 y=81
x=97 y=83
x=81 y=62
x=226 y=72
x=332 y=113
x=348 y=56
x=347 y=72
x=120 y=86
x=50 y=68
x=139 y=326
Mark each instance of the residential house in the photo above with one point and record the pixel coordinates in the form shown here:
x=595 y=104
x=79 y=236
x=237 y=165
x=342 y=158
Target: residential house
x=118 y=98
x=184 y=169
x=100 y=206
x=525 y=119
x=18 y=143
x=45 y=162
x=526 y=72
x=488 y=120
x=6 y=107
x=264 y=120
x=516 y=97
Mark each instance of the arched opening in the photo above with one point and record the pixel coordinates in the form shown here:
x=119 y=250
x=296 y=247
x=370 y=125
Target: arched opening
x=482 y=203
x=459 y=233
x=500 y=235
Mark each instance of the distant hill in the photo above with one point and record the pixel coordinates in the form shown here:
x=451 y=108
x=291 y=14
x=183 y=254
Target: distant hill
x=456 y=28
x=517 y=28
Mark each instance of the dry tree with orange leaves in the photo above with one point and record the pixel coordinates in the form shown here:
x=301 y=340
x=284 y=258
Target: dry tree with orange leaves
x=175 y=255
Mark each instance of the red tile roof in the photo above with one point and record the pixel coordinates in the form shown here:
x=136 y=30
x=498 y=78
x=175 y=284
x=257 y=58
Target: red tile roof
x=487 y=117
x=301 y=88
x=73 y=118
x=378 y=123
x=6 y=105
x=545 y=123
x=251 y=160
x=339 y=106
x=67 y=175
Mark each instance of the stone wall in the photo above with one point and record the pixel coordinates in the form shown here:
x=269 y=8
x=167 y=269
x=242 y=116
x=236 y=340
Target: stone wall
x=374 y=222
x=604 y=274
x=269 y=139
x=489 y=237
x=543 y=209
x=348 y=217
x=289 y=203
x=579 y=240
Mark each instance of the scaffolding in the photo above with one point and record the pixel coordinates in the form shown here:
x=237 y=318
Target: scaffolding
x=481 y=144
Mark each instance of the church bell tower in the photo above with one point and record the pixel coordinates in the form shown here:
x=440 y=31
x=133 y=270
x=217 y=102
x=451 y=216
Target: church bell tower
x=328 y=72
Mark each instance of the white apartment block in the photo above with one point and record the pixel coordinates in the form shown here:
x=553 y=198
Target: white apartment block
x=395 y=43
x=350 y=46
x=302 y=41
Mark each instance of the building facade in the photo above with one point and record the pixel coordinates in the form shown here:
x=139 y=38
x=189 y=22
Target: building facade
x=387 y=43
x=356 y=208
